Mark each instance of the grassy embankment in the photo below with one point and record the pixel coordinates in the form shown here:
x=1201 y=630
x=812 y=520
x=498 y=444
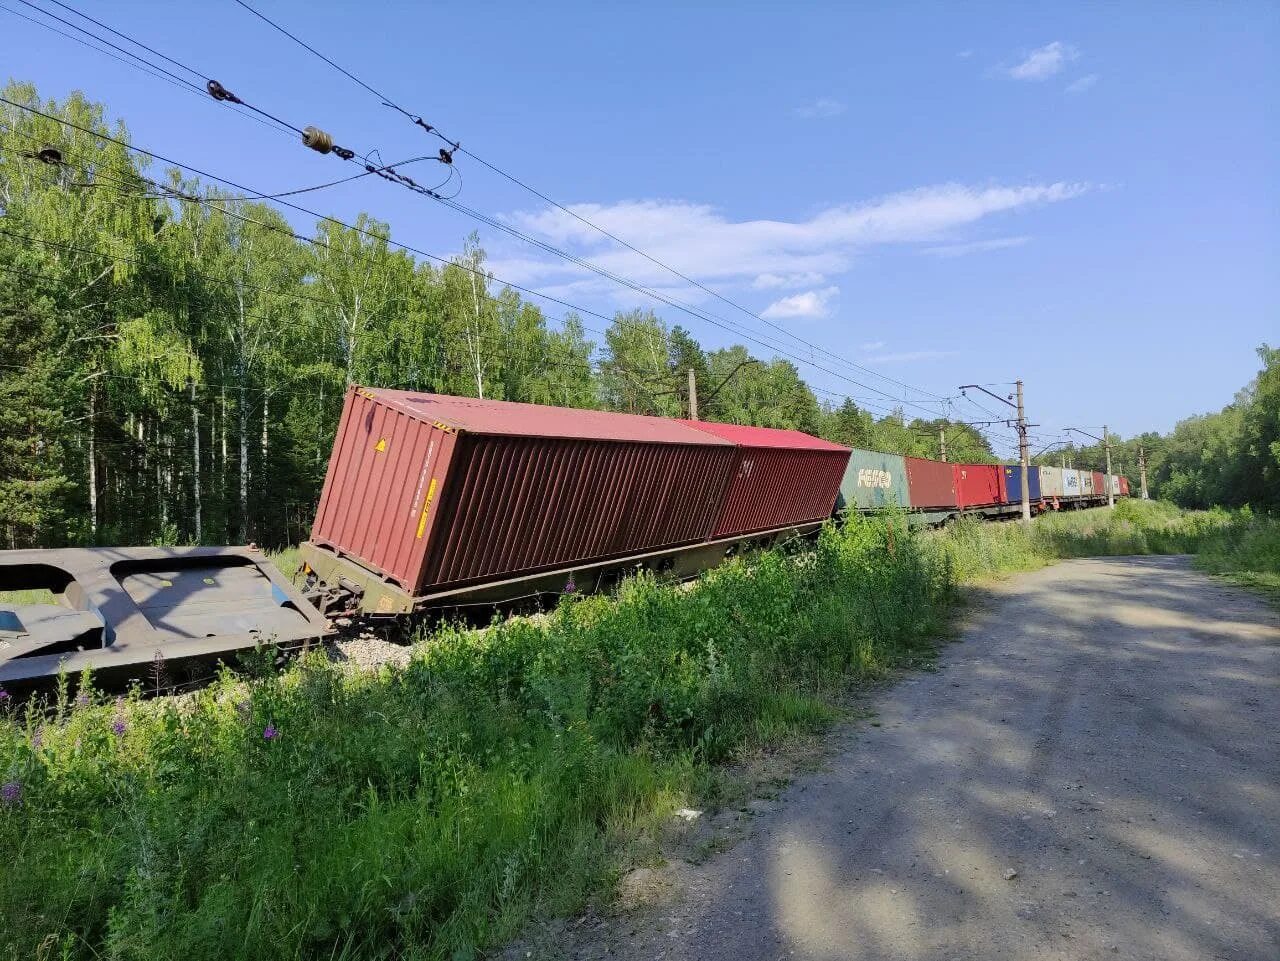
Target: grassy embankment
x=428 y=811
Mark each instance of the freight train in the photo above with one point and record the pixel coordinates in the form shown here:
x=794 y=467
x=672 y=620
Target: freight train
x=437 y=502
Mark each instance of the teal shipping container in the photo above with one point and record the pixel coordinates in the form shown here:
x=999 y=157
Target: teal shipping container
x=873 y=480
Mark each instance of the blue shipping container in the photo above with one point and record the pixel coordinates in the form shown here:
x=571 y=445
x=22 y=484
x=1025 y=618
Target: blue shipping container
x=1013 y=484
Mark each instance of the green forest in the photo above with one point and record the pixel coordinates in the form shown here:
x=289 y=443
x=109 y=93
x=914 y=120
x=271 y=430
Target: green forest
x=175 y=356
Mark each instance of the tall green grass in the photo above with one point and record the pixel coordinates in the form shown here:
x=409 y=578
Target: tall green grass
x=428 y=811
x=424 y=812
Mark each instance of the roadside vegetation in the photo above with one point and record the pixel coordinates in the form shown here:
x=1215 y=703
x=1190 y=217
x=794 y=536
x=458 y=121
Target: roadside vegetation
x=428 y=811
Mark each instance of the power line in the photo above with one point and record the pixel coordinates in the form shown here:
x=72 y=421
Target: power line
x=365 y=232
x=456 y=146
x=322 y=141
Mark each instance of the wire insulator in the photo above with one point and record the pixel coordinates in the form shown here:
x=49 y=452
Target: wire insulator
x=317 y=139
x=218 y=92
x=446 y=156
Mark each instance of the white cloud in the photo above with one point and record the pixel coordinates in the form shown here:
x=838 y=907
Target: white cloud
x=777 y=281
x=702 y=243
x=820 y=109
x=1043 y=63
x=1083 y=84
x=812 y=303
x=874 y=345
x=965 y=54
x=975 y=246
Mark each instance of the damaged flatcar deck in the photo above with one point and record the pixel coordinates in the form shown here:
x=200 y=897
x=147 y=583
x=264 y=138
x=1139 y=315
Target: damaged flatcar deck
x=113 y=609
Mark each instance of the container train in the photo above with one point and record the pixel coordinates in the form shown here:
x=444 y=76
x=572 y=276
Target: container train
x=434 y=502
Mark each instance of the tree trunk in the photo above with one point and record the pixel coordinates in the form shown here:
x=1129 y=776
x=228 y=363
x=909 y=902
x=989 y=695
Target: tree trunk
x=93 y=461
x=244 y=462
x=195 y=464
x=262 y=464
x=475 y=353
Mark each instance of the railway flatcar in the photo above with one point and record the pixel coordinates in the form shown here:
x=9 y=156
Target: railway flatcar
x=434 y=502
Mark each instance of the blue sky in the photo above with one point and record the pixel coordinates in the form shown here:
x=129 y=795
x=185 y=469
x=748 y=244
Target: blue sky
x=1081 y=196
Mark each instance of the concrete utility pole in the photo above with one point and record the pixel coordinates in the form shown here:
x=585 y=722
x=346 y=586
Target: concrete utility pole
x=1024 y=453
x=1111 y=492
x=942 y=443
x=1142 y=471
x=693 y=395
x=1024 y=443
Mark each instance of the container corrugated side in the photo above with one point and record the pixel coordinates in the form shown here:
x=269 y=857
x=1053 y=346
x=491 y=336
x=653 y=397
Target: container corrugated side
x=977 y=485
x=1071 y=483
x=427 y=490
x=517 y=505
x=930 y=483
x=1051 y=481
x=1086 y=483
x=1012 y=484
x=1124 y=485
x=779 y=478
x=1099 y=484
x=873 y=481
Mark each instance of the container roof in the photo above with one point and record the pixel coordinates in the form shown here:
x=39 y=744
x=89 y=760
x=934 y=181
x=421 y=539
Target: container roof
x=764 y=436
x=535 y=420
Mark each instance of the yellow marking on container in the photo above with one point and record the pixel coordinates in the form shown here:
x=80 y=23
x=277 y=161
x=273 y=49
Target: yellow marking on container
x=381 y=445
x=426 y=506
x=440 y=425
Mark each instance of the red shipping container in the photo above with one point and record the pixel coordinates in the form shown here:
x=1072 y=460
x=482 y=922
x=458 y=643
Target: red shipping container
x=930 y=483
x=779 y=478
x=1124 y=486
x=1099 y=484
x=430 y=490
x=978 y=485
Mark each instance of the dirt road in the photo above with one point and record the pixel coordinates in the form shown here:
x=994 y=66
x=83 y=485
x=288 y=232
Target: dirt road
x=1107 y=729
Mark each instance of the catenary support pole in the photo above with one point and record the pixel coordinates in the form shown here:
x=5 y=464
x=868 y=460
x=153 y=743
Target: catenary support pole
x=693 y=395
x=1111 y=492
x=1024 y=454
x=942 y=443
x=1142 y=471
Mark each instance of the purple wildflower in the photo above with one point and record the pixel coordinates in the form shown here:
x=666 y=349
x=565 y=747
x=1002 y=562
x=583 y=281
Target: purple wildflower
x=4 y=695
x=82 y=699
x=270 y=732
x=118 y=726
x=10 y=793
x=37 y=738
x=569 y=586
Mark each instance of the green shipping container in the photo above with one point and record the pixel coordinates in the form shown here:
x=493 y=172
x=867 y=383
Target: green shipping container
x=873 y=480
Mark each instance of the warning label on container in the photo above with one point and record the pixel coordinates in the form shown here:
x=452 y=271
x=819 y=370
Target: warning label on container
x=381 y=445
x=426 y=506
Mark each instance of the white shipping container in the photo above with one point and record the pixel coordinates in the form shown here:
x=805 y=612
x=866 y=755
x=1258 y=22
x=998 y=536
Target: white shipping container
x=1051 y=481
x=1071 y=483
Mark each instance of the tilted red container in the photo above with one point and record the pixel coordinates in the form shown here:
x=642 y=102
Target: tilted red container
x=779 y=478
x=429 y=490
x=1124 y=486
x=978 y=485
x=930 y=483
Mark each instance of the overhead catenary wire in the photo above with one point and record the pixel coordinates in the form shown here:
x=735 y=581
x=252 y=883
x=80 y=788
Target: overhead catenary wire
x=456 y=146
x=321 y=141
x=256 y=194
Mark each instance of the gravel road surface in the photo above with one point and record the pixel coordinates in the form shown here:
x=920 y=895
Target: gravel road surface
x=1094 y=772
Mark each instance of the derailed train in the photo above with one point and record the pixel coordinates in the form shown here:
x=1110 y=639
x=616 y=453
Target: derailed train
x=432 y=502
